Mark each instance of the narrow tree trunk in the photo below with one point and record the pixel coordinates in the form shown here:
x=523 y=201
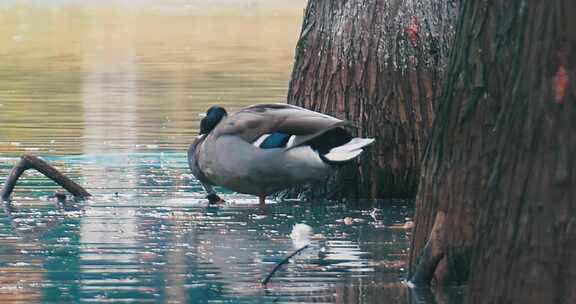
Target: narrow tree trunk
x=378 y=63
x=496 y=204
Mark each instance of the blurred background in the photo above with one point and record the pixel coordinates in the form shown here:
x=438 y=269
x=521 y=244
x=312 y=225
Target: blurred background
x=94 y=76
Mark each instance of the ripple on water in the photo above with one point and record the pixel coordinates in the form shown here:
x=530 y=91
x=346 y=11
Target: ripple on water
x=132 y=246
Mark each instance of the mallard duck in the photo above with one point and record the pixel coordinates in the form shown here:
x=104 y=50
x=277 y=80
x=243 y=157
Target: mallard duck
x=265 y=148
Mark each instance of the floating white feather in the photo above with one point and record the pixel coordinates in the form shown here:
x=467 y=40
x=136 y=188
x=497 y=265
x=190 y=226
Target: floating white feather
x=301 y=234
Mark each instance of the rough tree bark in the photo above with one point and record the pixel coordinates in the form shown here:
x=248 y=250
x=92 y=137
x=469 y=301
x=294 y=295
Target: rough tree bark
x=378 y=63
x=496 y=204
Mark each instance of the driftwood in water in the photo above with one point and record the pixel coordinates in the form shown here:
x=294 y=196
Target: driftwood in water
x=29 y=161
x=284 y=261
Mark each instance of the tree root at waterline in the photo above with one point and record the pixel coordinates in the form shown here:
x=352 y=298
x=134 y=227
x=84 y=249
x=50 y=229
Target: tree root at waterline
x=432 y=257
x=29 y=161
x=445 y=258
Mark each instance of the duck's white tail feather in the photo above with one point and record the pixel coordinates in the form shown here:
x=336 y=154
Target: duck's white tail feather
x=348 y=151
x=354 y=144
x=343 y=155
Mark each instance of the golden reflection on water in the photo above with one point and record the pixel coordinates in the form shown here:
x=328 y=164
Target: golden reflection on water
x=117 y=76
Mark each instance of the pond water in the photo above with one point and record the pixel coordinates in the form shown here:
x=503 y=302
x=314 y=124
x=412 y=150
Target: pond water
x=148 y=235
x=110 y=93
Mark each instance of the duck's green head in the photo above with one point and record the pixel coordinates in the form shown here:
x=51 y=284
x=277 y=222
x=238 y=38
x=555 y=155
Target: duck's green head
x=213 y=116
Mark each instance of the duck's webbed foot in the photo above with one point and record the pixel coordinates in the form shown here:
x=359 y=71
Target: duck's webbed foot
x=213 y=198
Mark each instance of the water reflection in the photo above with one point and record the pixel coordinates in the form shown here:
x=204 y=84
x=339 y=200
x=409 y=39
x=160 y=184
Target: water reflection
x=70 y=67
x=109 y=100
x=150 y=243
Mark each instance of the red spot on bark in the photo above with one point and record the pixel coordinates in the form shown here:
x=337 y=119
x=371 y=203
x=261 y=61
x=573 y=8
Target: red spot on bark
x=560 y=83
x=412 y=30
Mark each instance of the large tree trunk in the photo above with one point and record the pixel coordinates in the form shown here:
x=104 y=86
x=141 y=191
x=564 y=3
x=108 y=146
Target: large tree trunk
x=497 y=201
x=378 y=63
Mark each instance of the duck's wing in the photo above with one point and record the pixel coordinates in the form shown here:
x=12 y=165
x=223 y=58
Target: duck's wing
x=253 y=122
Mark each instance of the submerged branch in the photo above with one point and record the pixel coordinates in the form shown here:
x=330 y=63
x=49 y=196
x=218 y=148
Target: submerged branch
x=284 y=261
x=29 y=161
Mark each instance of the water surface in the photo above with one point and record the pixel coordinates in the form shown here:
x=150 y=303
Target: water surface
x=148 y=235
x=98 y=76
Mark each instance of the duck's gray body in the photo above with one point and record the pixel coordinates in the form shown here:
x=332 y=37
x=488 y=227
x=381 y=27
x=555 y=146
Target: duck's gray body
x=230 y=155
x=242 y=167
